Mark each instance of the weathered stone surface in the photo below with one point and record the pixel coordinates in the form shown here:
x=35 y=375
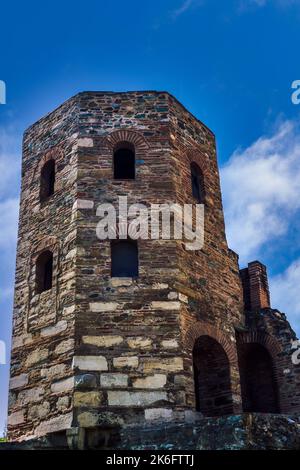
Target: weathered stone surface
x=90 y=362
x=16 y=418
x=54 y=371
x=36 y=356
x=39 y=411
x=83 y=204
x=103 y=341
x=63 y=403
x=152 y=381
x=139 y=342
x=64 y=346
x=156 y=414
x=103 y=306
x=55 y=329
x=85 y=381
x=18 y=381
x=58 y=423
x=85 y=142
x=173 y=364
x=169 y=344
x=118 y=398
x=30 y=395
x=88 y=419
x=62 y=386
x=113 y=380
x=121 y=281
x=92 y=399
x=126 y=361
x=165 y=305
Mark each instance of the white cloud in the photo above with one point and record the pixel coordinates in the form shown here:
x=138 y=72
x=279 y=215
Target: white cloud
x=261 y=188
x=9 y=163
x=285 y=293
x=246 y=4
x=186 y=5
x=8 y=224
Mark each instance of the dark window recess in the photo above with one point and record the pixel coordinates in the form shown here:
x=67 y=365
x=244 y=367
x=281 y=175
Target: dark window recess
x=258 y=383
x=47 y=180
x=197 y=183
x=44 y=271
x=124 y=161
x=124 y=258
x=212 y=378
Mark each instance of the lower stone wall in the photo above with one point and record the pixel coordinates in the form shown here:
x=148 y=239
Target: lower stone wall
x=240 y=432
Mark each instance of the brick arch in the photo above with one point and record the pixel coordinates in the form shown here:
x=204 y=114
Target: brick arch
x=127 y=135
x=264 y=339
x=273 y=348
x=197 y=156
x=205 y=329
x=53 y=154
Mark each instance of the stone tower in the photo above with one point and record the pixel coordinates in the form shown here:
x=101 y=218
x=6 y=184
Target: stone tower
x=173 y=342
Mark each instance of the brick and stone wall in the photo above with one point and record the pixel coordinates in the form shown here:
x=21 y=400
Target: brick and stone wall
x=100 y=351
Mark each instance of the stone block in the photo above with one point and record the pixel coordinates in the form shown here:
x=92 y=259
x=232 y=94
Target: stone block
x=113 y=380
x=16 y=418
x=63 y=386
x=172 y=364
x=156 y=414
x=125 y=361
x=103 y=306
x=92 y=399
x=139 y=342
x=103 y=341
x=30 y=395
x=90 y=363
x=152 y=381
x=58 y=423
x=122 y=398
x=36 y=356
x=165 y=305
x=18 y=381
x=55 y=329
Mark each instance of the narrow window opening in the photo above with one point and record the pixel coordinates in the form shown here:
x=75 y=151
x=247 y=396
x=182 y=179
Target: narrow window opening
x=124 y=258
x=47 y=180
x=124 y=161
x=197 y=181
x=44 y=271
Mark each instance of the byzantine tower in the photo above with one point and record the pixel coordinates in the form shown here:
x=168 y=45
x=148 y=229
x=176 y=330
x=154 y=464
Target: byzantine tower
x=114 y=334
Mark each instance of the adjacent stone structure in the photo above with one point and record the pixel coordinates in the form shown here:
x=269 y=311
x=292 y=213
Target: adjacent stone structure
x=189 y=336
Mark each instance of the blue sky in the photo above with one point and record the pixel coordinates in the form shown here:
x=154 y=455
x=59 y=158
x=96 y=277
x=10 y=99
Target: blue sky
x=231 y=63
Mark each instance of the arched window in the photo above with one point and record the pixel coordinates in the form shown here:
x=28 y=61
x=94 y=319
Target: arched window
x=124 y=258
x=197 y=181
x=44 y=271
x=212 y=378
x=124 y=161
x=47 y=180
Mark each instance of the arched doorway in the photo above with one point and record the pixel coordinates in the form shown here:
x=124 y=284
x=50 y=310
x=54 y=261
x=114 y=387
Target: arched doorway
x=258 y=384
x=212 y=378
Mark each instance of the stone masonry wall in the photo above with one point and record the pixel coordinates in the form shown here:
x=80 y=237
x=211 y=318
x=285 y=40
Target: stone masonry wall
x=43 y=324
x=101 y=351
